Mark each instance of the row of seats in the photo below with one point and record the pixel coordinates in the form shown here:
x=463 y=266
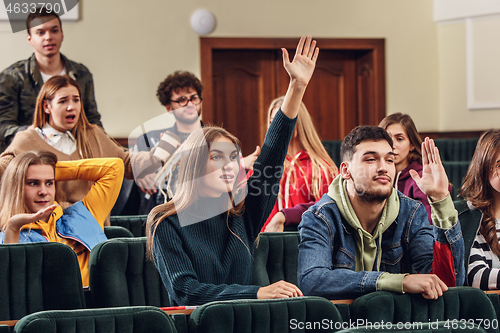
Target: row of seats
x=45 y=276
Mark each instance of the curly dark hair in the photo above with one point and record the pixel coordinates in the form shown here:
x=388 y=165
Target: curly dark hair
x=359 y=134
x=176 y=81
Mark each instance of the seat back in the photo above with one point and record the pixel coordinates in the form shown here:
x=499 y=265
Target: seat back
x=117 y=232
x=119 y=320
x=469 y=222
x=121 y=275
x=36 y=277
x=276 y=315
x=456 y=172
x=457 y=303
x=456 y=149
x=333 y=149
x=275 y=258
x=135 y=223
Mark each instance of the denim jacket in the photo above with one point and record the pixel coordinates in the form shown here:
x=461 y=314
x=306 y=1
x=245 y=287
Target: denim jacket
x=327 y=250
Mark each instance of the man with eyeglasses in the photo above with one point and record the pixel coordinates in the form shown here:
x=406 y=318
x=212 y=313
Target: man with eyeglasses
x=180 y=93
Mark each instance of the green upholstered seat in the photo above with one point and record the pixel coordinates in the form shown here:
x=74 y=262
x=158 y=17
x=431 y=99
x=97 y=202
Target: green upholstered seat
x=275 y=258
x=333 y=149
x=117 y=232
x=141 y=319
x=456 y=149
x=276 y=315
x=456 y=303
x=121 y=275
x=456 y=172
x=436 y=327
x=135 y=223
x=469 y=222
x=36 y=277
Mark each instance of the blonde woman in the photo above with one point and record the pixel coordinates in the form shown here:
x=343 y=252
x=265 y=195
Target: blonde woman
x=202 y=240
x=308 y=169
x=30 y=213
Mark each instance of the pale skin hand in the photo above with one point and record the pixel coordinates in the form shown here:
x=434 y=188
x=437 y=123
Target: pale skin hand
x=300 y=71
x=280 y=289
x=147 y=184
x=429 y=285
x=250 y=159
x=17 y=221
x=434 y=182
x=277 y=223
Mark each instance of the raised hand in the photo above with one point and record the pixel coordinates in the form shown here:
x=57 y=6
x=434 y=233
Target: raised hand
x=434 y=182
x=302 y=66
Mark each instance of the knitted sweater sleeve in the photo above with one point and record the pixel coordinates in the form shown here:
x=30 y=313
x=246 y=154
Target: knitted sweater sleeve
x=179 y=276
x=263 y=185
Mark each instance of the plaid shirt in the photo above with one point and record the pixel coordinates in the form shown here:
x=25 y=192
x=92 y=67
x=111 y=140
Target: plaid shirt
x=19 y=88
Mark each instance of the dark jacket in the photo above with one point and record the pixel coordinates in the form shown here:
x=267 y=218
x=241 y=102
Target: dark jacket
x=19 y=88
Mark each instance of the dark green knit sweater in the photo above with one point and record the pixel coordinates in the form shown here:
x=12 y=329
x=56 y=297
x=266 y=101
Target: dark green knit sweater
x=204 y=261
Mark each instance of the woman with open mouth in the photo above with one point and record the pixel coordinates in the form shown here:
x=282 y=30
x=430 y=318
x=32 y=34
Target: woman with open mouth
x=61 y=127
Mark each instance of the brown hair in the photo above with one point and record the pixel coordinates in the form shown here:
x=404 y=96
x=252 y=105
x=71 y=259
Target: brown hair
x=82 y=129
x=476 y=187
x=411 y=131
x=310 y=141
x=13 y=179
x=41 y=13
x=192 y=166
x=175 y=82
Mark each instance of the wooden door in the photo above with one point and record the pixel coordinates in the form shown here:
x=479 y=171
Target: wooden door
x=243 y=75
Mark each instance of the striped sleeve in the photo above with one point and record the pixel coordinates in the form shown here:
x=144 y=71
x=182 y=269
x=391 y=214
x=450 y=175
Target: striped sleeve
x=484 y=266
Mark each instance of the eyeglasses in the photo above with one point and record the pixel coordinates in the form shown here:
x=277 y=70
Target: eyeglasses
x=183 y=101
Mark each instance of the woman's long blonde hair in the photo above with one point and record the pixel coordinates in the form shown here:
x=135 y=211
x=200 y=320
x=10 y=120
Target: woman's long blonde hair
x=82 y=130
x=192 y=167
x=310 y=141
x=13 y=180
x=476 y=186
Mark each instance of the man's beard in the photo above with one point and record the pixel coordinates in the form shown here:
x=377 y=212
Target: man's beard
x=371 y=196
x=190 y=121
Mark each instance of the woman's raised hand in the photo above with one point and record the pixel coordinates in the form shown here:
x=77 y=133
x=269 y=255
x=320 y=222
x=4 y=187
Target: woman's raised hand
x=302 y=67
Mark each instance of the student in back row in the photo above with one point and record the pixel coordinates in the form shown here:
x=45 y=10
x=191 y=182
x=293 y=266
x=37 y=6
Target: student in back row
x=21 y=82
x=61 y=127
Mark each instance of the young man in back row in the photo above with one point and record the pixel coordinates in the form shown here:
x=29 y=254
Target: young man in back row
x=365 y=236
x=21 y=82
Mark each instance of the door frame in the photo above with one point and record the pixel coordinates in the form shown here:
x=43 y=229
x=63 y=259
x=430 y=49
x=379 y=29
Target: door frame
x=375 y=46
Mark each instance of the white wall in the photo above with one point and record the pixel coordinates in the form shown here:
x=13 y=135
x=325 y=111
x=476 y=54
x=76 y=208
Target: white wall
x=131 y=46
x=469 y=65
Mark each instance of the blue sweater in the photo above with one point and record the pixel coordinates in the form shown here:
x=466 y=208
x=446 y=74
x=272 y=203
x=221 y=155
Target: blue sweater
x=205 y=261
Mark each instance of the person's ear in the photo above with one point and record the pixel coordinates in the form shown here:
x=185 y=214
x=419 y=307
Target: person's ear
x=412 y=147
x=46 y=107
x=344 y=170
x=28 y=37
x=169 y=107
